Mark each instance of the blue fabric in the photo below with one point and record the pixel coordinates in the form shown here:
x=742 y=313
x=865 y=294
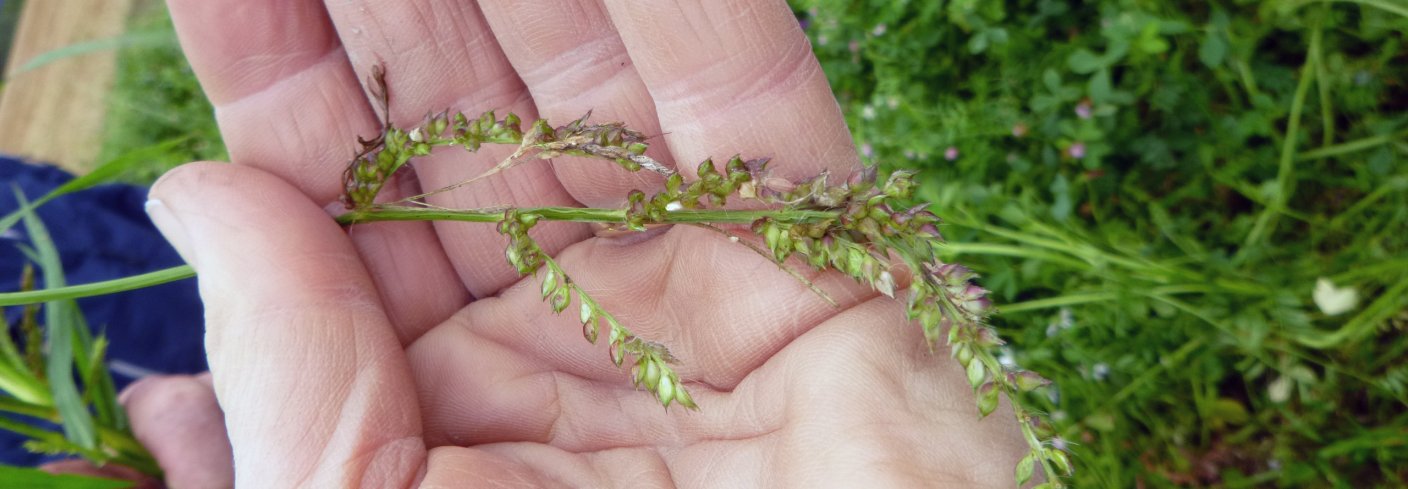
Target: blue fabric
x=101 y=234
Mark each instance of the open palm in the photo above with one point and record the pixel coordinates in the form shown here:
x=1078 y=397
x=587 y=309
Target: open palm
x=392 y=354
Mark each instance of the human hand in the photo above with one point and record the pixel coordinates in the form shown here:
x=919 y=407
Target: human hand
x=397 y=353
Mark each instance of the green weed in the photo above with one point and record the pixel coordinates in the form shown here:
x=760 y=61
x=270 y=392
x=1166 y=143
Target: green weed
x=1153 y=190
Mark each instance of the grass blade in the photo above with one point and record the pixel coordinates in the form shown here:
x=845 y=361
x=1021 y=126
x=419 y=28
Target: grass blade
x=97 y=381
x=31 y=478
x=61 y=317
x=131 y=39
x=104 y=173
x=98 y=288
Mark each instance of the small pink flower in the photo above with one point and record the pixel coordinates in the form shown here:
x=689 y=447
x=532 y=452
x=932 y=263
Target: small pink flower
x=1083 y=109
x=867 y=150
x=1077 y=150
x=951 y=153
x=854 y=46
x=1019 y=129
x=879 y=30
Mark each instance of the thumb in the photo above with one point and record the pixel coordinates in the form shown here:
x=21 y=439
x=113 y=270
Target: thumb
x=314 y=385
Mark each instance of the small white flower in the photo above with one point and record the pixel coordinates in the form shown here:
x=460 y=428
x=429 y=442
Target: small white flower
x=867 y=112
x=1334 y=300
x=1100 y=371
x=1279 y=390
x=415 y=135
x=879 y=30
x=674 y=206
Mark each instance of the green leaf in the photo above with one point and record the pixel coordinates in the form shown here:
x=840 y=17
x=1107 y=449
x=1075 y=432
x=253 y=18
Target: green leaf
x=1229 y=411
x=1060 y=460
x=978 y=43
x=97 y=381
x=151 y=38
x=1052 y=79
x=99 y=175
x=1025 y=468
x=976 y=372
x=31 y=478
x=987 y=398
x=1085 y=61
x=1100 y=88
x=60 y=317
x=1213 y=50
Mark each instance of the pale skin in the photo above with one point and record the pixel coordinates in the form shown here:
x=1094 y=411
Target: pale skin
x=410 y=354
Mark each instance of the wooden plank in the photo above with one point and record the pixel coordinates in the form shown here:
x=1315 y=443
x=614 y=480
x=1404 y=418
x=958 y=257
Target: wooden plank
x=55 y=113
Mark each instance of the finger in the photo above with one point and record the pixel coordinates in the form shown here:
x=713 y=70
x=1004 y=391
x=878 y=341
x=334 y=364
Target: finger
x=895 y=399
x=289 y=103
x=440 y=54
x=179 y=421
x=721 y=315
x=286 y=99
x=736 y=77
x=568 y=55
x=865 y=376
x=313 y=383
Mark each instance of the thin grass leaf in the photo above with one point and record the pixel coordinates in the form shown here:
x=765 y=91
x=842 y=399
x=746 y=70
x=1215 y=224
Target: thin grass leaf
x=150 y=38
x=103 y=173
x=21 y=384
x=61 y=318
x=32 y=478
x=30 y=431
x=98 y=385
x=113 y=286
x=15 y=406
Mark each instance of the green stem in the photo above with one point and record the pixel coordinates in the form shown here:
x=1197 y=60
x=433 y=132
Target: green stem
x=115 y=445
x=1011 y=250
x=1058 y=301
x=1285 y=175
x=576 y=214
x=1322 y=82
x=1351 y=147
x=98 y=288
x=399 y=213
x=1380 y=4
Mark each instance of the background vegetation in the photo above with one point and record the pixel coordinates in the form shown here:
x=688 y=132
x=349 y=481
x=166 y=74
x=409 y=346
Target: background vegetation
x=1152 y=189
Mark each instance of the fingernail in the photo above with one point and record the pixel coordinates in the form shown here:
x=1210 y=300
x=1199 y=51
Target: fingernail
x=171 y=228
